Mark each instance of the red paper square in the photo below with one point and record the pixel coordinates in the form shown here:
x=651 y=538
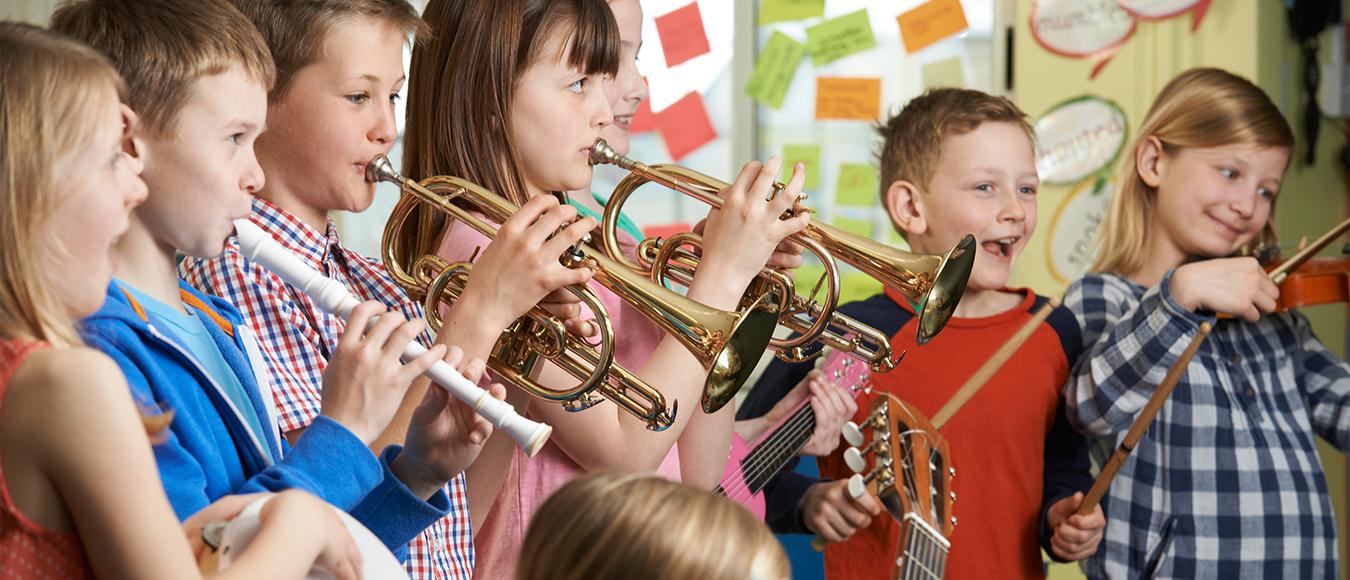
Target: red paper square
x=685 y=126
x=682 y=35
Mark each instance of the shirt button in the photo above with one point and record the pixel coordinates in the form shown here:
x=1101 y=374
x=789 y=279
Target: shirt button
x=1237 y=359
x=1250 y=392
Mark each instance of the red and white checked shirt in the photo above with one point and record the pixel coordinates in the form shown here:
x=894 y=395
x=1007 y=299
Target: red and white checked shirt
x=298 y=338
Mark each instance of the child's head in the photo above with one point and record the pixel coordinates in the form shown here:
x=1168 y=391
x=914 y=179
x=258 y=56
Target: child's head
x=1202 y=175
x=510 y=94
x=197 y=72
x=339 y=71
x=627 y=90
x=67 y=185
x=957 y=162
x=607 y=527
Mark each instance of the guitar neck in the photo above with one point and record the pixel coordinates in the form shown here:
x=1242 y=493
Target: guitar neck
x=924 y=553
x=777 y=446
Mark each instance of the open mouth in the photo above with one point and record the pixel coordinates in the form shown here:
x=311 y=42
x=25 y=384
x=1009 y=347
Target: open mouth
x=1001 y=247
x=624 y=122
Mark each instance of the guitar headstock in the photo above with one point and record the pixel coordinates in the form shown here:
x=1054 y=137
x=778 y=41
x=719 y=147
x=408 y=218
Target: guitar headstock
x=897 y=455
x=847 y=372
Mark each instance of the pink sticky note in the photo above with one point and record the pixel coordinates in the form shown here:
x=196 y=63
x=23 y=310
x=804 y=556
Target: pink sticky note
x=682 y=34
x=643 y=119
x=685 y=126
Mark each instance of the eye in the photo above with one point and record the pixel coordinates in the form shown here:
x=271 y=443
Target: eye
x=985 y=187
x=1228 y=173
x=358 y=98
x=577 y=85
x=394 y=97
x=1027 y=190
x=1266 y=193
x=235 y=138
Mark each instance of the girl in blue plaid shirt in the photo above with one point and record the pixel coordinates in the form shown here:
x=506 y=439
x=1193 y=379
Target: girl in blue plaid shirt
x=1227 y=482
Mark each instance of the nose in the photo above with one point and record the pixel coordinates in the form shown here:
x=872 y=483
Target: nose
x=253 y=177
x=384 y=131
x=1012 y=210
x=602 y=115
x=1244 y=204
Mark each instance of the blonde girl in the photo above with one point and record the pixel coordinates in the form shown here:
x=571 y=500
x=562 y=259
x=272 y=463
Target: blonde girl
x=79 y=492
x=528 y=104
x=1227 y=483
x=607 y=526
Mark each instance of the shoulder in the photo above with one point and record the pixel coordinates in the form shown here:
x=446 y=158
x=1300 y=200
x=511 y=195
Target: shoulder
x=81 y=383
x=1065 y=325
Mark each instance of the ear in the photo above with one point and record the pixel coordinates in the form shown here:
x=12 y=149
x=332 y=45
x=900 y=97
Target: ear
x=1150 y=161
x=906 y=207
x=131 y=134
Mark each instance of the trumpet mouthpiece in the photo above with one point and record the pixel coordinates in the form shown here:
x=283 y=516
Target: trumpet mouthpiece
x=380 y=169
x=602 y=153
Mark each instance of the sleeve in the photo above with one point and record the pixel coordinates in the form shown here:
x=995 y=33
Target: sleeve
x=778 y=379
x=1127 y=349
x=1325 y=381
x=394 y=514
x=1068 y=470
x=287 y=337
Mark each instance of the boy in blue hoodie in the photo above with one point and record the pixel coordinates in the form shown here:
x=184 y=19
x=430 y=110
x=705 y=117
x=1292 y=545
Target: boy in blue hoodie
x=198 y=73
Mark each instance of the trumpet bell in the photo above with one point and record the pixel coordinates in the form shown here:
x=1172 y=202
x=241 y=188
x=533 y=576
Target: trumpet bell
x=949 y=283
x=746 y=341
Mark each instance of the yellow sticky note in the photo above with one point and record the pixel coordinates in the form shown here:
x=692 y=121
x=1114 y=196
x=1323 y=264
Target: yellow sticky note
x=839 y=37
x=857 y=185
x=774 y=71
x=848 y=98
x=930 y=22
x=807 y=155
x=944 y=73
x=782 y=10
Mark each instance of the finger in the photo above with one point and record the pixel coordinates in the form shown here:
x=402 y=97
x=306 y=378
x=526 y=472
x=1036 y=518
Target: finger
x=1251 y=313
x=561 y=296
x=868 y=503
x=378 y=334
x=839 y=526
x=564 y=311
x=699 y=227
x=743 y=184
x=549 y=224
x=454 y=355
x=358 y=322
x=526 y=215
x=784 y=260
x=854 y=516
x=763 y=184
x=1072 y=536
x=792 y=225
x=402 y=335
x=582 y=327
x=787 y=198
x=420 y=365
x=569 y=236
x=474 y=369
x=1265 y=302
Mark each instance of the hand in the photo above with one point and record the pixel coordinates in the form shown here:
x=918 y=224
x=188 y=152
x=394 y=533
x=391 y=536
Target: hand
x=338 y=553
x=565 y=305
x=445 y=435
x=740 y=238
x=1075 y=536
x=1236 y=286
x=222 y=510
x=828 y=510
x=787 y=256
x=831 y=405
x=526 y=251
x=365 y=381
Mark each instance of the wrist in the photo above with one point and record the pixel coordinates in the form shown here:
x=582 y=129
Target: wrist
x=415 y=476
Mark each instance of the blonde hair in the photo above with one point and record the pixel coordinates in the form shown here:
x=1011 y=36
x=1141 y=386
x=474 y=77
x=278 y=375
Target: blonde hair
x=605 y=526
x=1201 y=108
x=912 y=139
x=52 y=90
x=295 y=30
x=162 y=46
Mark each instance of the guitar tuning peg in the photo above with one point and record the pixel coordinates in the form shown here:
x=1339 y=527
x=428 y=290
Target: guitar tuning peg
x=952 y=471
x=953 y=497
x=852 y=434
x=854 y=460
x=857 y=486
x=953 y=520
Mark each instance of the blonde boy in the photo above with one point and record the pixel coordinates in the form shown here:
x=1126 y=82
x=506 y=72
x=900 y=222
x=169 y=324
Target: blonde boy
x=198 y=73
x=957 y=162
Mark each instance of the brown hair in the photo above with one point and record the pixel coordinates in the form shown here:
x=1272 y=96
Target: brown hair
x=1200 y=108
x=610 y=527
x=50 y=90
x=162 y=46
x=912 y=140
x=295 y=30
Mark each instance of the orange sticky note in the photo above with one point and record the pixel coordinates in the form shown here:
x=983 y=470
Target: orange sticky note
x=685 y=126
x=682 y=34
x=930 y=22
x=848 y=98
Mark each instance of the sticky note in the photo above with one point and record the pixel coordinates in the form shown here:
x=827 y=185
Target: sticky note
x=857 y=185
x=807 y=155
x=685 y=126
x=782 y=10
x=839 y=37
x=944 y=73
x=774 y=71
x=848 y=98
x=682 y=35
x=853 y=226
x=930 y=22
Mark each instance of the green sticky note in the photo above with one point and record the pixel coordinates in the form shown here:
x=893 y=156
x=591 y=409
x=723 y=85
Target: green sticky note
x=839 y=37
x=775 y=69
x=857 y=185
x=944 y=73
x=855 y=286
x=853 y=226
x=783 y=10
x=808 y=155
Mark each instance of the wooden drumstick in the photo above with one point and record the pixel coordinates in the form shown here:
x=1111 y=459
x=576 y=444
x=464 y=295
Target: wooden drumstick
x=991 y=366
x=1141 y=423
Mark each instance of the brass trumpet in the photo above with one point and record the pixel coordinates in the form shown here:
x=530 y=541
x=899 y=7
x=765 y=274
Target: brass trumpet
x=932 y=283
x=727 y=344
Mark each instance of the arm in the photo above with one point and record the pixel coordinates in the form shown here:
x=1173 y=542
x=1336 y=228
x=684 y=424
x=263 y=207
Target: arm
x=1325 y=381
x=1067 y=475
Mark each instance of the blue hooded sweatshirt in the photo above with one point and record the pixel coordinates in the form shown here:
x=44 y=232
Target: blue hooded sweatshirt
x=209 y=452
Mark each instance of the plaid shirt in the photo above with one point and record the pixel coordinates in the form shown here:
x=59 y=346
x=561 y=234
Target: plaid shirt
x=297 y=339
x=1227 y=482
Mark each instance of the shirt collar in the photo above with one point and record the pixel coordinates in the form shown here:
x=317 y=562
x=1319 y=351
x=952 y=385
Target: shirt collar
x=296 y=235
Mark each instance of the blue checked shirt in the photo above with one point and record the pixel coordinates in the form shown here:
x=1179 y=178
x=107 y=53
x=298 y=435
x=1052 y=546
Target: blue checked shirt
x=1226 y=483
x=297 y=338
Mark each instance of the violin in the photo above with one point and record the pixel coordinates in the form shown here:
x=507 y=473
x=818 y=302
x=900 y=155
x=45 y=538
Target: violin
x=1317 y=281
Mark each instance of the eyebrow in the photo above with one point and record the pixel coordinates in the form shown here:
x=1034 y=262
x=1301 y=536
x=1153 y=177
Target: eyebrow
x=374 y=79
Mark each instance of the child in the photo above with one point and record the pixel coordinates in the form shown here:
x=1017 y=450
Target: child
x=530 y=107
x=78 y=489
x=1227 y=482
x=957 y=161
x=608 y=526
x=202 y=81
x=339 y=69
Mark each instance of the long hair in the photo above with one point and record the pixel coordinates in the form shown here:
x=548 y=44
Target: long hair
x=51 y=89
x=1200 y=108
x=611 y=527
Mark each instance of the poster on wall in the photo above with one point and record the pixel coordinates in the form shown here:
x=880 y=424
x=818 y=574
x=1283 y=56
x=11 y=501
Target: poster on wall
x=1079 y=138
x=1073 y=229
x=1164 y=9
x=1093 y=29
